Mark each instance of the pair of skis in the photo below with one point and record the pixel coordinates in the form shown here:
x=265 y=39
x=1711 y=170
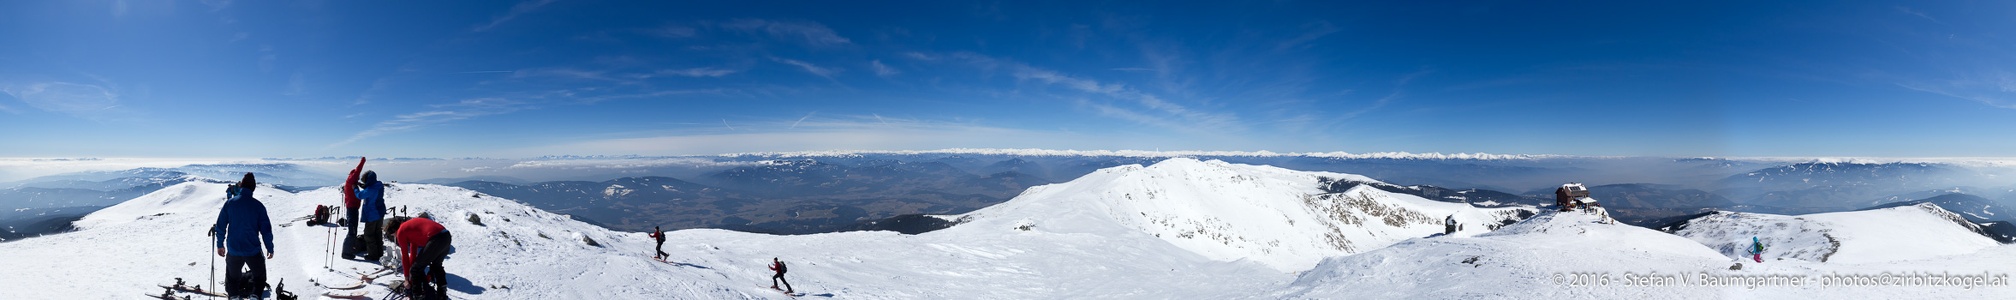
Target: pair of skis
x=793 y=295
x=350 y=291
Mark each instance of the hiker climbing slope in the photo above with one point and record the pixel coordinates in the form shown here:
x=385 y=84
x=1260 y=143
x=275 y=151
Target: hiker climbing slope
x=659 y=234
x=778 y=265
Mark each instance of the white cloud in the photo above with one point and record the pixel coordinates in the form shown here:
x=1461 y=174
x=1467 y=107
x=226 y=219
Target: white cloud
x=1995 y=89
x=516 y=10
x=920 y=56
x=808 y=67
x=814 y=136
x=562 y=73
x=1395 y=95
x=296 y=86
x=119 y=8
x=1317 y=30
x=673 y=32
x=444 y=113
x=698 y=72
x=813 y=34
x=79 y=100
x=217 y=5
x=1159 y=110
x=883 y=70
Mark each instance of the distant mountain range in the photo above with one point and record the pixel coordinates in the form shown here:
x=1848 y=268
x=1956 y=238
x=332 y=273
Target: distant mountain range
x=794 y=196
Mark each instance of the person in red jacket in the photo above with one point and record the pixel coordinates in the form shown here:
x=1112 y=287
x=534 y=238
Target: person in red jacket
x=350 y=212
x=659 y=234
x=778 y=265
x=423 y=244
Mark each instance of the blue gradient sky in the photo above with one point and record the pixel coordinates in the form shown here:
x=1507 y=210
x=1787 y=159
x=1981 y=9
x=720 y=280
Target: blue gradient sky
x=514 y=79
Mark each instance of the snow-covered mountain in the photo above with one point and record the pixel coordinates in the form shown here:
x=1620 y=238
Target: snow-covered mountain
x=1178 y=229
x=1879 y=235
x=1572 y=255
x=1225 y=211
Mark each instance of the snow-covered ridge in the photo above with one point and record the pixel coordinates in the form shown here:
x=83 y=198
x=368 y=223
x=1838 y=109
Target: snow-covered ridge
x=1225 y=211
x=516 y=252
x=1880 y=235
x=1156 y=154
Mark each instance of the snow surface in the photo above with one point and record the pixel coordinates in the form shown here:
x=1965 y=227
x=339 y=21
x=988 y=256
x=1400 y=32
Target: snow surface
x=1882 y=235
x=1180 y=229
x=1542 y=257
x=1229 y=212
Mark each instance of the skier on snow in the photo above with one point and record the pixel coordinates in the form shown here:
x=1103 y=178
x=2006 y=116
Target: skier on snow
x=241 y=226
x=372 y=212
x=1756 y=249
x=659 y=234
x=423 y=244
x=778 y=265
x=350 y=202
x=1449 y=225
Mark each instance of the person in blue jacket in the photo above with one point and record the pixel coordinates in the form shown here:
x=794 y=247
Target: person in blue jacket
x=241 y=227
x=372 y=213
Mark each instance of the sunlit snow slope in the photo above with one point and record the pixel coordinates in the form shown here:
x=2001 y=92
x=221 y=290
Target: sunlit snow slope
x=1880 y=235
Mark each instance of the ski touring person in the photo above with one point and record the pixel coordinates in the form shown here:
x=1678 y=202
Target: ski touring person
x=778 y=265
x=423 y=245
x=659 y=234
x=242 y=225
x=371 y=210
x=1449 y=225
x=1756 y=249
x=350 y=203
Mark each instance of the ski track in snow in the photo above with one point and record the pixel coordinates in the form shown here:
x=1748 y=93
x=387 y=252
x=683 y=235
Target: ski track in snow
x=1180 y=229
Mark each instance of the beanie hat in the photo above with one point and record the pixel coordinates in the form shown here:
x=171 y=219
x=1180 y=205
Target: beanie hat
x=370 y=177
x=248 y=181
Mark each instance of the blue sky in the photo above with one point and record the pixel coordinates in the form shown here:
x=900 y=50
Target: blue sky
x=514 y=79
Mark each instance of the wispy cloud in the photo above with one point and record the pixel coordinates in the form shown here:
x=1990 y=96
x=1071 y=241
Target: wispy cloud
x=801 y=120
x=440 y=114
x=882 y=70
x=673 y=31
x=516 y=10
x=85 y=101
x=1398 y=92
x=810 y=33
x=1920 y=14
x=569 y=73
x=1316 y=30
x=1995 y=89
x=697 y=72
x=808 y=67
x=217 y=5
x=1159 y=112
x=823 y=133
x=296 y=85
x=119 y=8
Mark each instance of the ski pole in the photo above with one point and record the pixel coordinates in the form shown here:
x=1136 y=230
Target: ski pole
x=213 y=259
